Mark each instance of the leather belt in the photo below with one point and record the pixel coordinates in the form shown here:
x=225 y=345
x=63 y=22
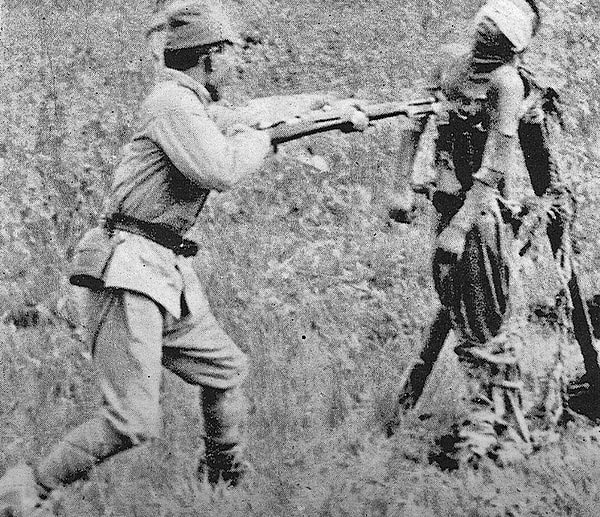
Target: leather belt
x=156 y=232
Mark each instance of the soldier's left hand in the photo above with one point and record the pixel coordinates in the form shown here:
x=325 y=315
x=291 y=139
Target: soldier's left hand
x=350 y=110
x=358 y=119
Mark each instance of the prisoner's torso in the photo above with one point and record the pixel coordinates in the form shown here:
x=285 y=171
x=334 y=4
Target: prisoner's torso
x=472 y=114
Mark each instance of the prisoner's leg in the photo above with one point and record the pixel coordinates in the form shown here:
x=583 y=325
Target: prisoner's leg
x=413 y=383
x=201 y=353
x=412 y=387
x=486 y=349
x=127 y=353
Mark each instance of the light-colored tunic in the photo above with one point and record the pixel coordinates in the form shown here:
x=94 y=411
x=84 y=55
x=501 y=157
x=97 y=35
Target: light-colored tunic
x=177 y=155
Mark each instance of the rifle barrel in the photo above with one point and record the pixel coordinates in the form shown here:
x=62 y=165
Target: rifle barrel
x=287 y=132
x=395 y=109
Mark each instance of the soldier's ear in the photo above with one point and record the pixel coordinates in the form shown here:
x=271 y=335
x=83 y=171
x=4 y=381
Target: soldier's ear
x=538 y=16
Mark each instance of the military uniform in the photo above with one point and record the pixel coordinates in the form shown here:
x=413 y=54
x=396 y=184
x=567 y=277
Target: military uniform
x=147 y=309
x=152 y=310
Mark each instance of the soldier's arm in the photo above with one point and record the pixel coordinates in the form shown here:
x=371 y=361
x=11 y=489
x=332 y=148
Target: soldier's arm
x=264 y=112
x=200 y=151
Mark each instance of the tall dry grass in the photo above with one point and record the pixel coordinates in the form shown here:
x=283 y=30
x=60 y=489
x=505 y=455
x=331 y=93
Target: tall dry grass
x=301 y=266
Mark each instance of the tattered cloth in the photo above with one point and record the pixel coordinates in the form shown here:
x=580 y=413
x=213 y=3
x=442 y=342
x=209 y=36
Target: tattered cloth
x=476 y=286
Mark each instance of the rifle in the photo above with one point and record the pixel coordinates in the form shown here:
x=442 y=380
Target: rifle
x=322 y=120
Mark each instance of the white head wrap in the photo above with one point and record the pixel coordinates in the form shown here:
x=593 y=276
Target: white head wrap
x=514 y=18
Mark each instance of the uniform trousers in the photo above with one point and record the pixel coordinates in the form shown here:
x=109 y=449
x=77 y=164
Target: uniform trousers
x=133 y=337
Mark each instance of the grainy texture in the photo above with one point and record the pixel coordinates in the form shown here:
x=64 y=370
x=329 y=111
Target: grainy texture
x=302 y=268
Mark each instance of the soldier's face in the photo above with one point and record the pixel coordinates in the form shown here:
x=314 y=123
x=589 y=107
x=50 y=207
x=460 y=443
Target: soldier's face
x=156 y=41
x=219 y=66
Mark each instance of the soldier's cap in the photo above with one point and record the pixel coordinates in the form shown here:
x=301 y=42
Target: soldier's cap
x=514 y=18
x=196 y=23
x=158 y=23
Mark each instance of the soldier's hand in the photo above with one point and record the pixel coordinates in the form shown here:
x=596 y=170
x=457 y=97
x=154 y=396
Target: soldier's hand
x=353 y=115
x=236 y=129
x=267 y=122
x=350 y=110
x=359 y=120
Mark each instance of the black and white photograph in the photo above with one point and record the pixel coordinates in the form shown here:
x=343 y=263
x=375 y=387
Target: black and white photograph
x=299 y=258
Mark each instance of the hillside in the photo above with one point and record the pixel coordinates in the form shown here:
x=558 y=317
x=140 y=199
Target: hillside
x=301 y=265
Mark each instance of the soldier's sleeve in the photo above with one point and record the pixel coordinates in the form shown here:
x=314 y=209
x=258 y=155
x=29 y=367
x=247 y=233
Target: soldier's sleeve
x=225 y=117
x=269 y=111
x=200 y=151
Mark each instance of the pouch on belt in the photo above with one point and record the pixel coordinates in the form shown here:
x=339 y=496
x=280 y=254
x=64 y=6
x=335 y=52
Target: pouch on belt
x=92 y=255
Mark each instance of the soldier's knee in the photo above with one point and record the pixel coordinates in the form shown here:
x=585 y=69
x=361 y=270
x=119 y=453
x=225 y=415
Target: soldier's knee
x=136 y=427
x=145 y=427
x=140 y=435
x=235 y=369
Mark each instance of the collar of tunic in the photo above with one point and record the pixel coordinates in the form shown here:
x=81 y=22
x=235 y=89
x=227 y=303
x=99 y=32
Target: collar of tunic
x=182 y=79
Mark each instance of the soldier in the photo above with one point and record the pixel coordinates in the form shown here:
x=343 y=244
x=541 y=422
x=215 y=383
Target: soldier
x=485 y=88
x=155 y=36
x=145 y=304
x=151 y=309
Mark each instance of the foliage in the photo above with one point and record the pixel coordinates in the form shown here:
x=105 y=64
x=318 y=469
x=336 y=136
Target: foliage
x=301 y=265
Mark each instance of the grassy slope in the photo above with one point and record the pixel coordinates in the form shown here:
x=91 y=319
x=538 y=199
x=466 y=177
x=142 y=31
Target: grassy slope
x=301 y=268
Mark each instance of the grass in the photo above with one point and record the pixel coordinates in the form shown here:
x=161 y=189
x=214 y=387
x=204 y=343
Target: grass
x=301 y=266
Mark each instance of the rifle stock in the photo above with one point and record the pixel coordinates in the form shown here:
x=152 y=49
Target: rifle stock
x=287 y=132
x=323 y=121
